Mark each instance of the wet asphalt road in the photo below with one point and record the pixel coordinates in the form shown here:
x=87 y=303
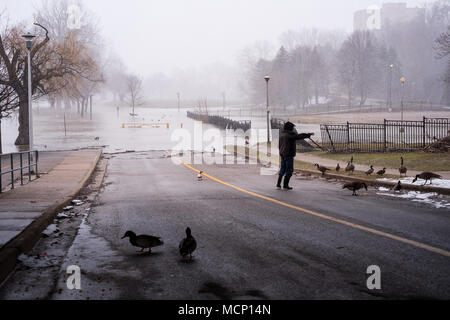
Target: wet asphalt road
x=250 y=248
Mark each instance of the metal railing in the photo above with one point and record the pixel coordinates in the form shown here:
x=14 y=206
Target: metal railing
x=391 y=135
x=13 y=162
x=221 y=122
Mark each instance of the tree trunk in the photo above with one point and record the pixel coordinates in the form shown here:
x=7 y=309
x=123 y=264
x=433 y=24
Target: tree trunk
x=1 y=150
x=23 y=138
x=82 y=107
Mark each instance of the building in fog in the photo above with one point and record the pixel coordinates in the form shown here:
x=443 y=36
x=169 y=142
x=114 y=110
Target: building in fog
x=375 y=18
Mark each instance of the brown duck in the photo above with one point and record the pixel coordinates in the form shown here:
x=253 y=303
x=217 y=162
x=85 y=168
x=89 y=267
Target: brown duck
x=370 y=171
x=398 y=186
x=338 y=168
x=381 y=172
x=188 y=245
x=143 y=241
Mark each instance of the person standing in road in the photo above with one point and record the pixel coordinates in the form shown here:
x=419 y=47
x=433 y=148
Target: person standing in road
x=288 y=150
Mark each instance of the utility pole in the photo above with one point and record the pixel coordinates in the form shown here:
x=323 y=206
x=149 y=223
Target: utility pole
x=267 y=78
x=29 y=44
x=390 y=86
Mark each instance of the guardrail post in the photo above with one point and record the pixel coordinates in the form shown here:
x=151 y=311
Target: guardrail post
x=348 y=136
x=12 y=171
x=423 y=132
x=29 y=166
x=37 y=161
x=21 y=169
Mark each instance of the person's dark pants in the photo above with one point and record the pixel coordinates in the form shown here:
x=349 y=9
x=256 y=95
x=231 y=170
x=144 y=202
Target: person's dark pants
x=287 y=167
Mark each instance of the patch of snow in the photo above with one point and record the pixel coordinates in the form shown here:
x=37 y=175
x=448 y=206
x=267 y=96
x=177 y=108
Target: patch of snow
x=441 y=183
x=383 y=189
x=37 y=261
x=77 y=202
x=51 y=229
x=431 y=198
x=62 y=216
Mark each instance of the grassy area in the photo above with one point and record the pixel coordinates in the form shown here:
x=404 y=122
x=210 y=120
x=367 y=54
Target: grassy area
x=413 y=161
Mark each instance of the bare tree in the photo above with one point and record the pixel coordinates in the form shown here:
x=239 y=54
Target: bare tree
x=443 y=50
x=134 y=86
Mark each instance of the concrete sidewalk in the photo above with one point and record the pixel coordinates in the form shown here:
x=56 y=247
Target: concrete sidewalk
x=26 y=211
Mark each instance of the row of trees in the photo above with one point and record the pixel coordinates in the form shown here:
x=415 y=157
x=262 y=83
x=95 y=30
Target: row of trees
x=352 y=69
x=66 y=62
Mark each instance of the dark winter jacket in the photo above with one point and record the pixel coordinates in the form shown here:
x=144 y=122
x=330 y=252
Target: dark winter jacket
x=287 y=142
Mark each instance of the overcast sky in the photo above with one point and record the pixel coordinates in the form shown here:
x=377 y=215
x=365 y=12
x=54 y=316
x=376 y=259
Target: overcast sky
x=162 y=35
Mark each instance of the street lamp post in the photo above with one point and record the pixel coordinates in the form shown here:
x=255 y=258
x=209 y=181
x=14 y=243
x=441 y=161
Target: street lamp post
x=178 y=95
x=267 y=78
x=390 y=86
x=29 y=44
x=402 y=81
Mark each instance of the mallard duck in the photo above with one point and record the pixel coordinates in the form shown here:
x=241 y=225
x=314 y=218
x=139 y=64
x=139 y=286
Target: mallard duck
x=350 y=166
x=427 y=176
x=338 y=168
x=370 y=171
x=402 y=168
x=188 y=245
x=355 y=186
x=321 y=168
x=381 y=172
x=143 y=241
x=398 y=186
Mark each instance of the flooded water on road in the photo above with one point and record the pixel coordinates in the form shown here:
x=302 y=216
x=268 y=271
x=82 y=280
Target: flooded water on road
x=115 y=130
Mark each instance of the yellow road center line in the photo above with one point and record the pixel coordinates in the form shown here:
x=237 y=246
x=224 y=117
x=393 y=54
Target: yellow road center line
x=323 y=216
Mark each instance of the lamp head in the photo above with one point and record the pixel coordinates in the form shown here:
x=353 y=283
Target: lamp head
x=267 y=78
x=28 y=40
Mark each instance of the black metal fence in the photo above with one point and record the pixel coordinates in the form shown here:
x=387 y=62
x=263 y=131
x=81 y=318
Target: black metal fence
x=219 y=121
x=25 y=163
x=392 y=135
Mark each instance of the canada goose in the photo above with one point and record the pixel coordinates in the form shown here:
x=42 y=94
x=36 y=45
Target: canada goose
x=322 y=169
x=188 y=245
x=381 y=172
x=338 y=167
x=427 y=176
x=370 y=171
x=350 y=166
x=398 y=186
x=355 y=186
x=402 y=168
x=143 y=241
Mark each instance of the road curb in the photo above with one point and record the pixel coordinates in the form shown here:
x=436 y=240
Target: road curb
x=26 y=240
x=377 y=183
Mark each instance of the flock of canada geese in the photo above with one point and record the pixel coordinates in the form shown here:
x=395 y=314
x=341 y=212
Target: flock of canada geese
x=355 y=186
